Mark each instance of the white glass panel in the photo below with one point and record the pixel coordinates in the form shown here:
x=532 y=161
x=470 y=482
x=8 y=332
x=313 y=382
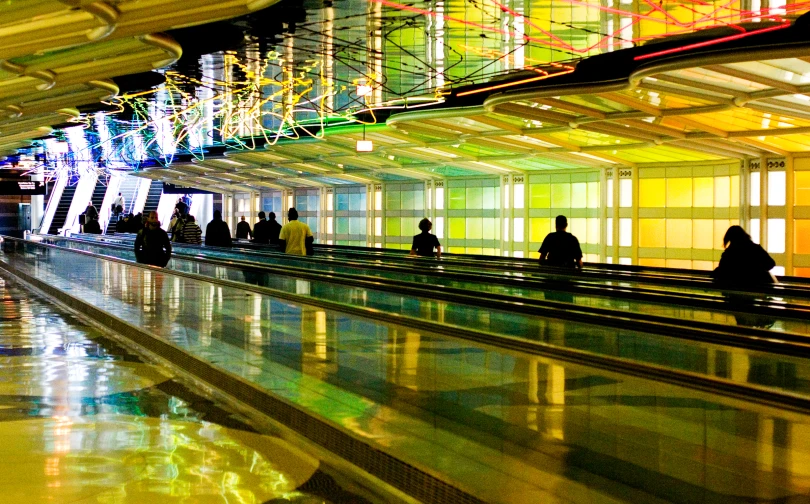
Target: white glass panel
x=378 y=200
x=625 y=260
x=377 y=226
x=440 y=198
x=778 y=270
x=754 y=194
x=330 y=225
x=776 y=189
x=609 y=226
x=625 y=232
x=519 y=229
x=610 y=193
x=506 y=229
x=519 y=196
x=754 y=231
x=518 y=253
x=439 y=228
x=506 y=196
x=330 y=202
x=625 y=193
x=776 y=236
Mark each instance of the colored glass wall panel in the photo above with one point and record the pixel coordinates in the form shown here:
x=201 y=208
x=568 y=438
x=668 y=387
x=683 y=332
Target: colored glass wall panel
x=735 y=191
x=802 y=188
x=579 y=195
x=458 y=228
x=357 y=225
x=475 y=228
x=593 y=195
x=393 y=200
x=652 y=193
x=560 y=195
x=679 y=233
x=802 y=272
x=491 y=229
x=801 y=236
x=652 y=262
x=720 y=228
x=458 y=198
x=679 y=263
x=539 y=227
x=593 y=235
x=392 y=226
x=703 y=192
x=702 y=234
x=579 y=228
x=491 y=199
x=475 y=197
x=651 y=233
x=342 y=225
x=722 y=192
x=540 y=195
x=679 y=192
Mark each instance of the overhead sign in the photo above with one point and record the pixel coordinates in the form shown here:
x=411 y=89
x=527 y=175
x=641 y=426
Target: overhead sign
x=21 y=188
x=176 y=189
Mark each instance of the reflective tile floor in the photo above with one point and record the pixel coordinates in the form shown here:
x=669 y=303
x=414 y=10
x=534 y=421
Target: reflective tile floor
x=83 y=420
x=502 y=425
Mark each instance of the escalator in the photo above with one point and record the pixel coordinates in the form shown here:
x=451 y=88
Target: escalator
x=62 y=209
x=153 y=197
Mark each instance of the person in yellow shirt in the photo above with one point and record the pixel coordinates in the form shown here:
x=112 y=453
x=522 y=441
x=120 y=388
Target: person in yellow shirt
x=295 y=236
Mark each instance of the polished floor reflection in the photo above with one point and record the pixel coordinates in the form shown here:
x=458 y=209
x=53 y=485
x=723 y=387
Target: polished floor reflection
x=504 y=426
x=83 y=420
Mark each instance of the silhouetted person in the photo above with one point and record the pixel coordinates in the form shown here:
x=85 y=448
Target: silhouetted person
x=92 y=227
x=743 y=263
x=275 y=229
x=182 y=207
x=122 y=226
x=135 y=223
x=561 y=248
x=191 y=232
x=152 y=245
x=243 y=231
x=295 y=237
x=261 y=230
x=424 y=242
x=217 y=233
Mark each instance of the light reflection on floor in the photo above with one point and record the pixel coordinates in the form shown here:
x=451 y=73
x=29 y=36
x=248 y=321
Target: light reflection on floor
x=83 y=420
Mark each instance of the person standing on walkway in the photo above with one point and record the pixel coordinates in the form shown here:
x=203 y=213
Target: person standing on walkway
x=295 y=237
x=261 y=230
x=743 y=263
x=275 y=229
x=243 y=231
x=217 y=233
x=424 y=242
x=561 y=248
x=191 y=232
x=152 y=245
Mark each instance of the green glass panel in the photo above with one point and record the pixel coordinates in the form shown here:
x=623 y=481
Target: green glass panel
x=392 y=201
x=475 y=198
x=490 y=229
x=408 y=226
x=392 y=227
x=560 y=195
x=357 y=202
x=593 y=194
x=357 y=225
x=342 y=201
x=579 y=195
x=458 y=198
x=539 y=195
x=341 y=225
x=457 y=228
x=475 y=228
x=490 y=197
x=301 y=203
x=419 y=200
x=407 y=200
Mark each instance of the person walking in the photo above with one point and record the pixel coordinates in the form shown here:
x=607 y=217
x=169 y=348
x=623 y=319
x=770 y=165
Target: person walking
x=191 y=232
x=217 y=232
x=261 y=230
x=152 y=245
x=275 y=229
x=295 y=237
x=424 y=243
x=243 y=231
x=118 y=204
x=561 y=248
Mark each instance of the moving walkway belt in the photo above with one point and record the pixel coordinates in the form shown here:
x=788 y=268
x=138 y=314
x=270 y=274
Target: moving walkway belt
x=787 y=343
x=769 y=396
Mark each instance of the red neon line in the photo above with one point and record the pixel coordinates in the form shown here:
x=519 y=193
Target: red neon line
x=709 y=42
x=510 y=84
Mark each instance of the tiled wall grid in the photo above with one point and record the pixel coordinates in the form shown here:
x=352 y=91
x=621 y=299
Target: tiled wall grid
x=669 y=216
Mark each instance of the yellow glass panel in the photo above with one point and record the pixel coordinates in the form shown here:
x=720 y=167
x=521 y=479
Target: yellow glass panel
x=735 y=191
x=490 y=251
x=475 y=228
x=679 y=263
x=593 y=194
x=720 y=228
x=593 y=231
x=560 y=195
x=722 y=192
x=651 y=193
x=579 y=228
x=475 y=250
x=490 y=229
x=702 y=234
x=456 y=250
x=579 y=195
x=703 y=265
x=703 y=188
x=651 y=233
x=539 y=195
x=458 y=226
x=392 y=227
x=801 y=236
x=649 y=261
x=802 y=188
x=538 y=228
x=679 y=233
x=802 y=272
x=475 y=197
x=679 y=192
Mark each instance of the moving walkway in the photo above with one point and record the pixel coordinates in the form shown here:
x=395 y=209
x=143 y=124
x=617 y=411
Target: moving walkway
x=551 y=423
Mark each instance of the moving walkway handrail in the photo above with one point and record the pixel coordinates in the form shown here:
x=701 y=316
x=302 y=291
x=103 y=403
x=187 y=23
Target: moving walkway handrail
x=771 y=397
x=568 y=281
x=785 y=343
